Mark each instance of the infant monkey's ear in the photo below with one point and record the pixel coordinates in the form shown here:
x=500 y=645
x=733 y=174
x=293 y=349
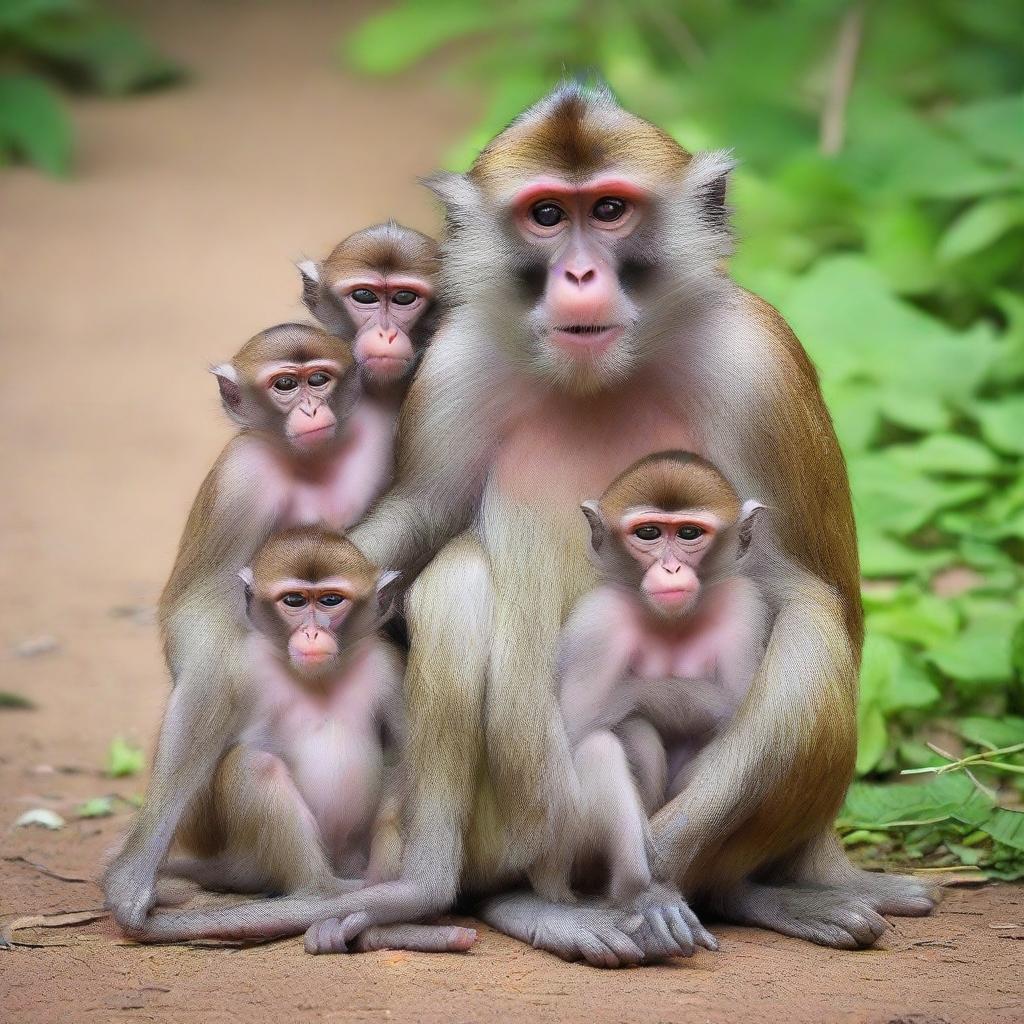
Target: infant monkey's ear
x=389 y=587
x=749 y=515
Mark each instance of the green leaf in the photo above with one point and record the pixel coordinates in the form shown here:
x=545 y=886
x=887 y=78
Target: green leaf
x=854 y=328
x=992 y=732
x=900 y=240
x=97 y=807
x=400 y=36
x=99 y=52
x=123 y=758
x=882 y=557
x=33 y=124
x=980 y=226
x=14 y=702
x=925 y=621
x=921 y=412
x=1002 y=422
x=979 y=656
x=992 y=127
x=883 y=805
x=946 y=453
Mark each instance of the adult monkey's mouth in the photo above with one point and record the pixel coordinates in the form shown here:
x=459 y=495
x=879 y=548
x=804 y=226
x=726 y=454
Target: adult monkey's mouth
x=588 y=338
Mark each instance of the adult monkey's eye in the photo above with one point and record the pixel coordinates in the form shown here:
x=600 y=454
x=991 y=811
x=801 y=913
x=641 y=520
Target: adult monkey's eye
x=365 y=296
x=547 y=215
x=609 y=209
x=294 y=600
x=286 y=383
x=318 y=379
x=647 y=532
x=331 y=600
x=404 y=297
x=690 y=532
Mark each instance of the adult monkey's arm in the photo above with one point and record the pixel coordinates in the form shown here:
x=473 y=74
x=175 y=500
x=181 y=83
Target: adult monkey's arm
x=440 y=467
x=776 y=776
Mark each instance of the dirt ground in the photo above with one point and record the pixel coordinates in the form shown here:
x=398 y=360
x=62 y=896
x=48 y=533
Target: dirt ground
x=172 y=245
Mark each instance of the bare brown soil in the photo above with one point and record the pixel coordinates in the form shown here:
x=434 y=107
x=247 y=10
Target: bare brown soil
x=171 y=247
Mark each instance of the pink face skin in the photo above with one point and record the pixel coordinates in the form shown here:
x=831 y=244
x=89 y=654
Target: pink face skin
x=384 y=310
x=313 y=613
x=301 y=391
x=584 y=308
x=670 y=546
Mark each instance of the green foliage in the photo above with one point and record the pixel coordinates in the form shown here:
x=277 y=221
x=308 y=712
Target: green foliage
x=97 y=807
x=899 y=260
x=74 y=43
x=123 y=758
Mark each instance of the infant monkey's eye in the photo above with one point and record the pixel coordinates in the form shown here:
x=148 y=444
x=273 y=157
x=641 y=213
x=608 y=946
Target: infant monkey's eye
x=404 y=298
x=647 y=532
x=690 y=532
x=331 y=600
x=318 y=379
x=294 y=600
x=285 y=384
x=364 y=295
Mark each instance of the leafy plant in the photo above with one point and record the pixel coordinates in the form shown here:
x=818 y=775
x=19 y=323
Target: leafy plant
x=75 y=44
x=124 y=759
x=880 y=204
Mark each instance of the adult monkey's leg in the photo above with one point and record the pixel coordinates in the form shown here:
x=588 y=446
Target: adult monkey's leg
x=772 y=783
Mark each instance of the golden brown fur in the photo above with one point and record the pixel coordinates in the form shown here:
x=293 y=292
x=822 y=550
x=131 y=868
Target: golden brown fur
x=388 y=248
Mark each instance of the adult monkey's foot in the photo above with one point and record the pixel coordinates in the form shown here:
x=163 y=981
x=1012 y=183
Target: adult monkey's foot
x=669 y=927
x=896 y=895
x=129 y=891
x=827 y=916
x=587 y=931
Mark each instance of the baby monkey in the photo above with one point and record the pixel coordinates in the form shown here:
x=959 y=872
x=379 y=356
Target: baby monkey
x=307 y=791
x=378 y=288
x=655 y=659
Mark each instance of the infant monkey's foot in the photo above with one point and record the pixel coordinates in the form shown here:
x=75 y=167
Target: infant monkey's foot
x=668 y=927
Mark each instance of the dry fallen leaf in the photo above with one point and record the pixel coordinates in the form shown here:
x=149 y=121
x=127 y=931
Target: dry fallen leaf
x=7 y=939
x=40 y=816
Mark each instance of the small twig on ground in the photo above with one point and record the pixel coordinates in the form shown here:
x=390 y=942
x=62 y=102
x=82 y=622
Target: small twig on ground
x=44 y=870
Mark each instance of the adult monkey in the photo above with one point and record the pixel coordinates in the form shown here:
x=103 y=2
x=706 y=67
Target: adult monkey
x=596 y=324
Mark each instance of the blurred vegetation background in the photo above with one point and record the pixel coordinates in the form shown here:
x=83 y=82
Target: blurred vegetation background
x=879 y=203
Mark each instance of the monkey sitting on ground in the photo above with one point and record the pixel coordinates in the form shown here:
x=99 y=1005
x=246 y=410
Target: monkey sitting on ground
x=661 y=653
x=301 y=796
x=298 y=459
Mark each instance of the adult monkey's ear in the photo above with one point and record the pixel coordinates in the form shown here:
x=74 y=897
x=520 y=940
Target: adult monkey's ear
x=749 y=514
x=228 y=386
x=459 y=195
x=592 y=510
x=708 y=176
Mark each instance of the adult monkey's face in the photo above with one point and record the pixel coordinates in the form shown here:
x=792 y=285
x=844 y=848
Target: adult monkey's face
x=580 y=232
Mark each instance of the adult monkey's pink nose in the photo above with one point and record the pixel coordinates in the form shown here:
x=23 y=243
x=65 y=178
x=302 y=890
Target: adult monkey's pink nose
x=581 y=290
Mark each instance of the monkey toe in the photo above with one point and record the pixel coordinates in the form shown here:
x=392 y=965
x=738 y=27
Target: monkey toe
x=901 y=895
x=326 y=936
x=416 y=938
